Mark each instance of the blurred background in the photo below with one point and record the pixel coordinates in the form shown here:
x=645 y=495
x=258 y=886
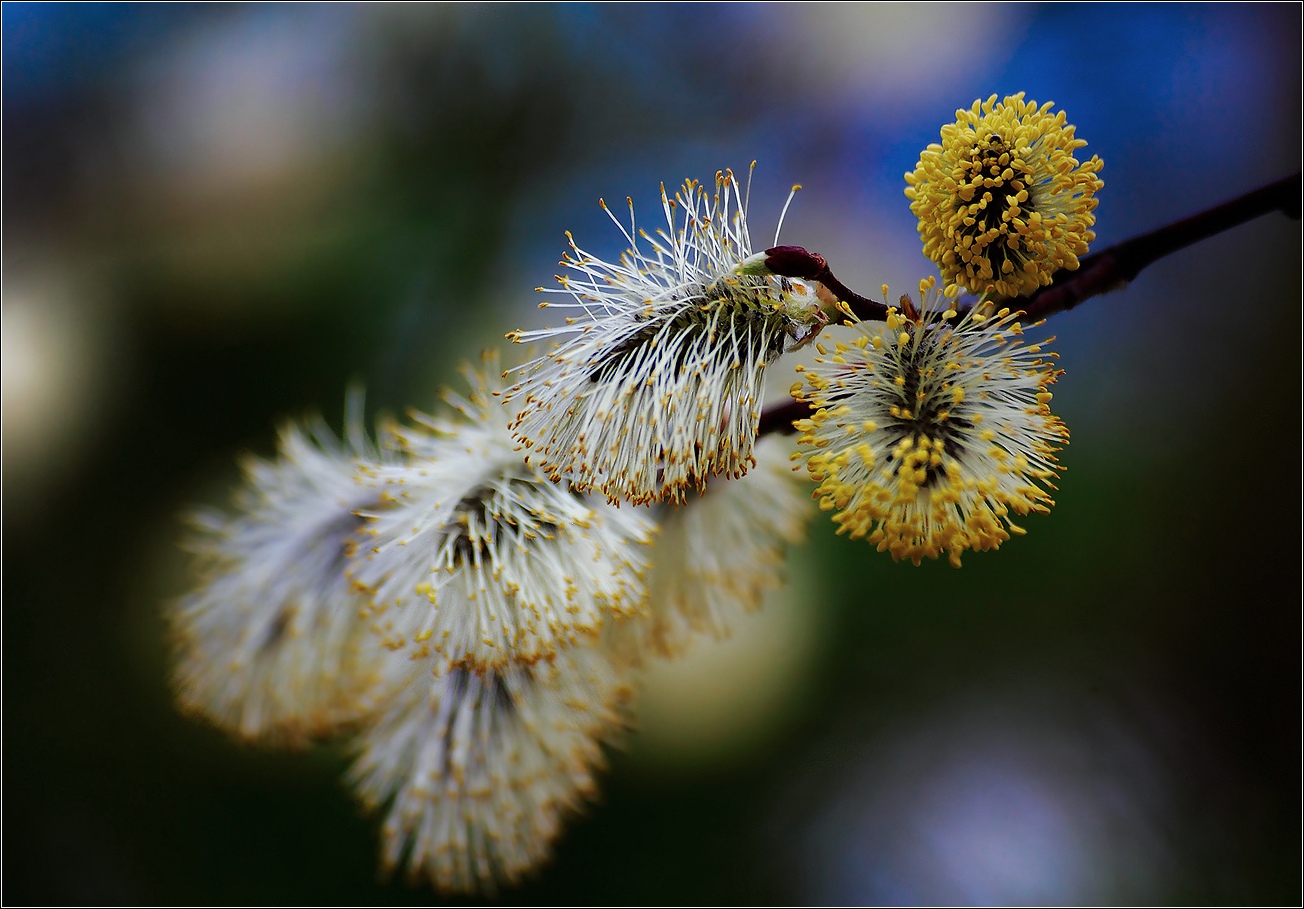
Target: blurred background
x=217 y=216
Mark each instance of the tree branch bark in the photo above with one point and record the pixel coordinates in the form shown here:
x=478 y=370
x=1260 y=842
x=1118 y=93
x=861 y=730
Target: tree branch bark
x=1098 y=273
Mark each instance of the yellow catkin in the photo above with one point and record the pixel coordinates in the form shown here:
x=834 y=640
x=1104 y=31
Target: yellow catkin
x=1002 y=201
x=931 y=442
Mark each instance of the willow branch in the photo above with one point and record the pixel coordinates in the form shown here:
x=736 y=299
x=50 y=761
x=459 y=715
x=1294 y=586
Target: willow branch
x=1098 y=273
x=780 y=417
x=1113 y=268
x=797 y=262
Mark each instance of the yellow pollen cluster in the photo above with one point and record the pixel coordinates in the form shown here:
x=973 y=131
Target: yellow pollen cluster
x=1002 y=202
x=931 y=443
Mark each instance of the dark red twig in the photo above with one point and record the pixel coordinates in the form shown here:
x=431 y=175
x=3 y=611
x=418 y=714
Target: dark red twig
x=797 y=262
x=779 y=417
x=1112 y=268
x=1098 y=273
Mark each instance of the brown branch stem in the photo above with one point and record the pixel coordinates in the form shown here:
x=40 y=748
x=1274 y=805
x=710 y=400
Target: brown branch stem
x=1112 y=268
x=797 y=262
x=780 y=417
x=1098 y=273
